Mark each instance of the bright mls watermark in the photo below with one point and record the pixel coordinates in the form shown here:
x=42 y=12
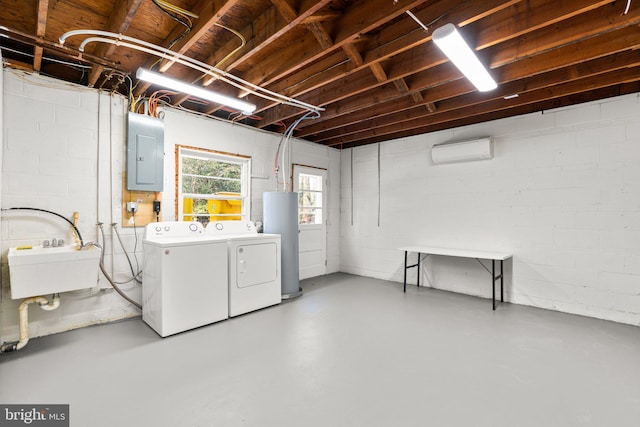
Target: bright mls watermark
x=34 y=415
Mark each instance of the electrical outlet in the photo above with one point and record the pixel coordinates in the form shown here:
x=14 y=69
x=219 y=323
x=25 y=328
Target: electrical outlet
x=132 y=207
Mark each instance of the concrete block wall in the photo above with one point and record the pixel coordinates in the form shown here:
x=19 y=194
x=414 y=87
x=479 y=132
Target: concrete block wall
x=64 y=150
x=562 y=194
x=59 y=144
x=183 y=128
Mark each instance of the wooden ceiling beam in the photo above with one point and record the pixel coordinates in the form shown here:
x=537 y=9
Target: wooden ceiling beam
x=378 y=72
x=432 y=79
x=353 y=53
x=407 y=65
x=286 y=10
x=399 y=37
x=408 y=62
x=578 y=56
x=119 y=21
x=492 y=105
x=327 y=15
x=405 y=30
x=581 y=27
x=321 y=35
x=267 y=28
x=13 y=63
x=403 y=88
x=65 y=51
x=411 y=61
x=465 y=14
x=209 y=13
x=553 y=99
x=396 y=104
x=593 y=95
x=41 y=28
x=353 y=22
x=530 y=16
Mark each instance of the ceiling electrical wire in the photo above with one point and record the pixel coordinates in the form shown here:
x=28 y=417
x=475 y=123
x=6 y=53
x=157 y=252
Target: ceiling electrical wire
x=626 y=10
x=163 y=53
x=243 y=43
x=179 y=15
x=156 y=98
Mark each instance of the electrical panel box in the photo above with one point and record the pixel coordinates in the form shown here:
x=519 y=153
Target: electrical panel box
x=145 y=153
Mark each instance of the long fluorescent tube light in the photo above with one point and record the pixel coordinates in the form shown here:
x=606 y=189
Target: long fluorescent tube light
x=449 y=40
x=177 y=85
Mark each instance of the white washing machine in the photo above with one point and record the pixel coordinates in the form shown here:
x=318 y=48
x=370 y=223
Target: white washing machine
x=184 y=278
x=254 y=265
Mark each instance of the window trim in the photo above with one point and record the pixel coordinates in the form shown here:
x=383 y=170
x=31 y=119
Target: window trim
x=324 y=191
x=243 y=160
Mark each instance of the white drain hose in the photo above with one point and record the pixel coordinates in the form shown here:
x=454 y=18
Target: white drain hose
x=23 y=311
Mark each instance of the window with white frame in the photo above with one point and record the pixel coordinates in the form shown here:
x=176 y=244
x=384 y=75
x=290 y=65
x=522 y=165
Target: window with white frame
x=309 y=199
x=212 y=186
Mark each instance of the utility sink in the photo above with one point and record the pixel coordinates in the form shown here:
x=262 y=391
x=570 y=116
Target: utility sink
x=38 y=271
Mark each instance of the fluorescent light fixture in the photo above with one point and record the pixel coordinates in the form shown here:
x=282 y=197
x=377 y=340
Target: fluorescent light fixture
x=515 y=95
x=198 y=92
x=449 y=40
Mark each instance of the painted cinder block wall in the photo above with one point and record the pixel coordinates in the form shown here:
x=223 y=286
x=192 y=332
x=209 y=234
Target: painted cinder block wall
x=63 y=150
x=562 y=194
x=59 y=141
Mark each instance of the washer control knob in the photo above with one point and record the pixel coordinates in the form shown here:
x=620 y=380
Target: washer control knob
x=193 y=227
x=167 y=228
x=219 y=226
x=158 y=229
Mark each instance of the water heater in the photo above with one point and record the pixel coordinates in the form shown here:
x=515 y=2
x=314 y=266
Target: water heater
x=280 y=216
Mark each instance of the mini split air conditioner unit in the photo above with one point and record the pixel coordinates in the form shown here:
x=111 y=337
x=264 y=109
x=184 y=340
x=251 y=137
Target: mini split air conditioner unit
x=462 y=151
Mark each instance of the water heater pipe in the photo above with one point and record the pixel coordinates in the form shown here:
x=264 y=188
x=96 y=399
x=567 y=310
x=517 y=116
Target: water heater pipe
x=23 y=312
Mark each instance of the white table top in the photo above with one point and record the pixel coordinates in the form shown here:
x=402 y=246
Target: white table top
x=457 y=252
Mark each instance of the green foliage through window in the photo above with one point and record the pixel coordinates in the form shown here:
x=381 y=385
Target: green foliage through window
x=212 y=187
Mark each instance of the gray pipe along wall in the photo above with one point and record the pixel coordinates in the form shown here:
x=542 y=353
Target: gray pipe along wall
x=280 y=215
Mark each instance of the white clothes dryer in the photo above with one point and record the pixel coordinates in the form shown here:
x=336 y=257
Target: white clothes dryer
x=254 y=265
x=184 y=278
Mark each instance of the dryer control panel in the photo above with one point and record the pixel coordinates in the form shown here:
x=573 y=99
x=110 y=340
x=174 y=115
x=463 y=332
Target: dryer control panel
x=167 y=229
x=225 y=228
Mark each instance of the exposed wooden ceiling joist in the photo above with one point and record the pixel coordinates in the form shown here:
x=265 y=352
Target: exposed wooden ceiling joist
x=119 y=22
x=373 y=68
x=43 y=9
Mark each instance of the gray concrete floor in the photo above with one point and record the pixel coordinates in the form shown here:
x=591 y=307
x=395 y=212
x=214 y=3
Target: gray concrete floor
x=351 y=351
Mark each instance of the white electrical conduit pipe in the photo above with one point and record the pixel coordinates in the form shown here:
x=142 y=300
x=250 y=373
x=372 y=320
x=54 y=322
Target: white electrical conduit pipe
x=23 y=311
x=277 y=98
x=116 y=39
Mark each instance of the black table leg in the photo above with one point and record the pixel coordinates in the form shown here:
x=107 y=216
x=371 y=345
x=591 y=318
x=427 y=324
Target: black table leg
x=405 y=271
x=418 y=269
x=493 y=281
x=501 y=281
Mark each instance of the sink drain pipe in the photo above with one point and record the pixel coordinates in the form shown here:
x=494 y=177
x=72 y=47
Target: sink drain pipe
x=23 y=310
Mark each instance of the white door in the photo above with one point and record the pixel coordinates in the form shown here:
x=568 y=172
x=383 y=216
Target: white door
x=311 y=185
